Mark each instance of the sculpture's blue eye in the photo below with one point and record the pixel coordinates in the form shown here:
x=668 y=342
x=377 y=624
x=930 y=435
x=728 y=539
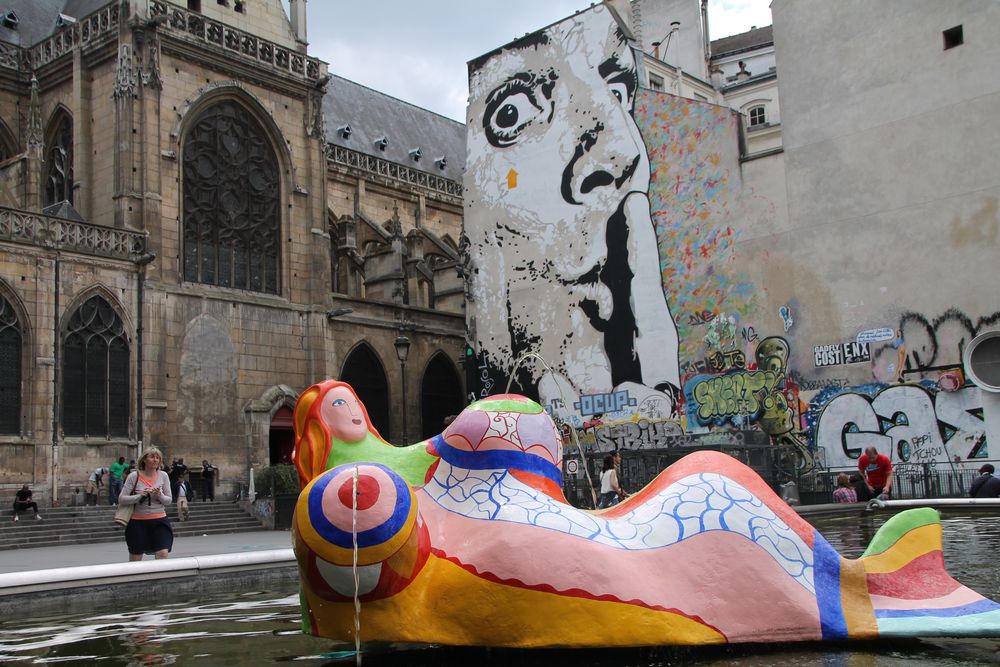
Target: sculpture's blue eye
x=339 y=401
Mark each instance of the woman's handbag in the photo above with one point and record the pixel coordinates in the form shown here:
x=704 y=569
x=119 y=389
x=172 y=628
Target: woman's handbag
x=124 y=512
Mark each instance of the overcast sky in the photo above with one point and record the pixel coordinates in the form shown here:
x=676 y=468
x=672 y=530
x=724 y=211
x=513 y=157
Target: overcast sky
x=417 y=50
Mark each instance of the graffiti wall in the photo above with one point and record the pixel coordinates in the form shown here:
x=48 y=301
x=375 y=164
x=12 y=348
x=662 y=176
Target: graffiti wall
x=926 y=414
x=610 y=233
x=573 y=274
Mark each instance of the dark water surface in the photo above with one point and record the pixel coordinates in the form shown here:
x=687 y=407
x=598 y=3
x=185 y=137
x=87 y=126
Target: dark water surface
x=255 y=628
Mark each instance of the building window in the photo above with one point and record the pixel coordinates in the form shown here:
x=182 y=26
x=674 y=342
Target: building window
x=10 y=369
x=953 y=37
x=6 y=149
x=95 y=372
x=655 y=82
x=59 y=161
x=757 y=116
x=231 y=202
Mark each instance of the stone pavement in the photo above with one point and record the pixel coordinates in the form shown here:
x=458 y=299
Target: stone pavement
x=72 y=555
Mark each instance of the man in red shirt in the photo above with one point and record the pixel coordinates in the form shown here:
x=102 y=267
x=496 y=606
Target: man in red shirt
x=876 y=470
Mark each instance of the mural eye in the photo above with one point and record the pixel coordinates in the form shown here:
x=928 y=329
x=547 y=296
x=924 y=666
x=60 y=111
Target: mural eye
x=619 y=90
x=337 y=402
x=511 y=108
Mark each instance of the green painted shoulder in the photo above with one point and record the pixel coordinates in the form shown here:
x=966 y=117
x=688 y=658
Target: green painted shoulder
x=507 y=403
x=411 y=462
x=898 y=525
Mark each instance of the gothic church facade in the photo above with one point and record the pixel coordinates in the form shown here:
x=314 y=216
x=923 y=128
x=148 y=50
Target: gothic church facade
x=197 y=222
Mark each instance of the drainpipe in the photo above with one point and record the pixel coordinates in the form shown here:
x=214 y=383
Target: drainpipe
x=56 y=394
x=141 y=263
x=705 y=37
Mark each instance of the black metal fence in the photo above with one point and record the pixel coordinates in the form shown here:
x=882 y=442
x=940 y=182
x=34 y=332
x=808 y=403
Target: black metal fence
x=640 y=466
x=776 y=465
x=911 y=482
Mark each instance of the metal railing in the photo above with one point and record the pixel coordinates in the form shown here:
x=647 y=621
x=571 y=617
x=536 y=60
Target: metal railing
x=640 y=467
x=914 y=482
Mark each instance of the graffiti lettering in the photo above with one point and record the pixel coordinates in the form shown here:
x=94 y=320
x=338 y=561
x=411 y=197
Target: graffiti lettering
x=841 y=353
x=697 y=319
x=817 y=384
x=749 y=335
x=911 y=421
x=939 y=342
x=485 y=381
x=721 y=361
x=828 y=355
x=649 y=434
x=876 y=335
x=591 y=404
x=736 y=394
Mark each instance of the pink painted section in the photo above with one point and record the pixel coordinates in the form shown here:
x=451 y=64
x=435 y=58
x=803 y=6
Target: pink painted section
x=957 y=598
x=722 y=578
x=482 y=431
x=468 y=428
x=340 y=515
x=707 y=461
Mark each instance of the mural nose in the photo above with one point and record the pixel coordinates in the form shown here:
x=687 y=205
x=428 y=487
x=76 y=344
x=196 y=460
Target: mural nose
x=600 y=160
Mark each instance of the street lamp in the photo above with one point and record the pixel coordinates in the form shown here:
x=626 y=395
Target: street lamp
x=402 y=344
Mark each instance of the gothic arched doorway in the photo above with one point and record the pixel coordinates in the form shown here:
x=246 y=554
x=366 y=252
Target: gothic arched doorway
x=364 y=372
x=440 y=395
x=281 y=436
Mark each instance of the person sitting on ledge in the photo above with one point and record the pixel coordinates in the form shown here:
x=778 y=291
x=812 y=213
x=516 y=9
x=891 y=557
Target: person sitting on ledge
x=844 y=493
x=23 y=501
x=986 y=485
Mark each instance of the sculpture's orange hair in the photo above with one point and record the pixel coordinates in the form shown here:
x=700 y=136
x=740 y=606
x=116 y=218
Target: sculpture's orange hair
x=313 y=439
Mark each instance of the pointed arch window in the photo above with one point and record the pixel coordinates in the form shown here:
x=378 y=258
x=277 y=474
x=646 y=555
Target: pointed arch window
x=231 y=201
x=59 y=161
x=11 y=342
x=363 y=371
x=96 y=372
x=440 y=395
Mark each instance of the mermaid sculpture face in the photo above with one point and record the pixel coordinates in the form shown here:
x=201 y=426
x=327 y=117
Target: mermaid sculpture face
x=341 y=410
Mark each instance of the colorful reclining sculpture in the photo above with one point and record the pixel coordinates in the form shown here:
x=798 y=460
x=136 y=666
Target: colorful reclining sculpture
x=466 y=539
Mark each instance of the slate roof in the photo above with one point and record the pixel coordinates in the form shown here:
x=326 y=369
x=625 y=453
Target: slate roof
x=38 y=17
x=369 y=113
x=372 y=114
x=744 y=41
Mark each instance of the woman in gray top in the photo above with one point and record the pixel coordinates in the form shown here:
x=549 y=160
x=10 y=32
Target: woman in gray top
x=148 y=488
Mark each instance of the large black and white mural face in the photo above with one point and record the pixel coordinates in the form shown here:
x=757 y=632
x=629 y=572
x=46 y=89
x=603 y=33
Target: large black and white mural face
x=563 y=252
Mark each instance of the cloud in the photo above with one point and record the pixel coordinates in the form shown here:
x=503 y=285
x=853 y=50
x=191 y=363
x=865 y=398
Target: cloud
x=417 y=51
x=730 y=17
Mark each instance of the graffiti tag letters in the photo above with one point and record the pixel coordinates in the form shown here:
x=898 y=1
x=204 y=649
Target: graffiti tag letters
x=909 y=421
x=736 y=394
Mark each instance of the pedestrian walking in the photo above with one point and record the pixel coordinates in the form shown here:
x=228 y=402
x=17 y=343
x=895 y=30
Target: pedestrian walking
x=207 y=481
x=116 y=475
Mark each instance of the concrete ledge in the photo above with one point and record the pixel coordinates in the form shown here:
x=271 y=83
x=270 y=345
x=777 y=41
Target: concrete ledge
x=89 y=585
x=965 y=504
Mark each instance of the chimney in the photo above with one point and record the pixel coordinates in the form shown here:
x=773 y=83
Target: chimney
x=297 y=15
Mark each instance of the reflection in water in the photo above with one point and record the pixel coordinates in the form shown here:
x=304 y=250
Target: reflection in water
x=263 y=627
